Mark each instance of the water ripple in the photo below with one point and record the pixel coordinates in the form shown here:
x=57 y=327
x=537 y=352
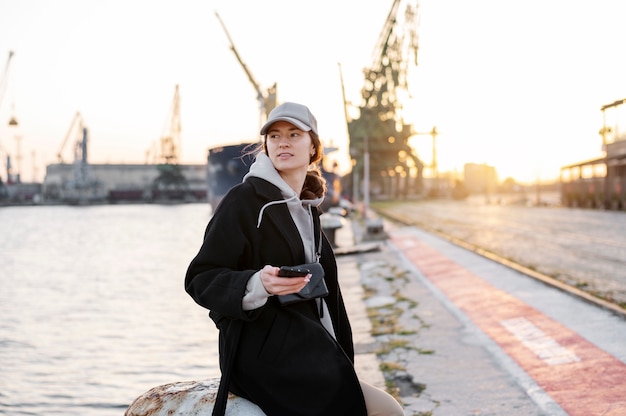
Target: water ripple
x=93 y=307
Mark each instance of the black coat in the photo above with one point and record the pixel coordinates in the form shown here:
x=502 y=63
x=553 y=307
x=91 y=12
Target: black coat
x=286 y=361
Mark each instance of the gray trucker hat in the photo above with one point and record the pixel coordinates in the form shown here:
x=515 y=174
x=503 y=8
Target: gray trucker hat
x=297 y=114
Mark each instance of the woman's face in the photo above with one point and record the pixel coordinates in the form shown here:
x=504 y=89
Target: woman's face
x=289 y=148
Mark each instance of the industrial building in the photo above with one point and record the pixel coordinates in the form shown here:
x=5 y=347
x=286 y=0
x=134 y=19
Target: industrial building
x=601 y=182
x=121 y=183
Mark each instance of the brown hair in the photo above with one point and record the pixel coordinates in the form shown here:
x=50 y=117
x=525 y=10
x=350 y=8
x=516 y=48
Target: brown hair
x=314 y=184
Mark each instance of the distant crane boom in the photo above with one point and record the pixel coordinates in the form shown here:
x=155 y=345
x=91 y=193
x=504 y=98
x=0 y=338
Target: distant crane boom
x=171 y=139
x=75 y=125
x=397 y=41
x=267 y=101
x=384 y=37
x=255 y=84
x=5 y=76
x=379 y=135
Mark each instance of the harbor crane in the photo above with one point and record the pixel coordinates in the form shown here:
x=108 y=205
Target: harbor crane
x=171 y=138
x=75 y=131
x=5 y=77
x=379 y=136
x=82 y=186
x=171 y=183
x=268 y=100
x=166 y=150
x=78 y=132
x=3 y=83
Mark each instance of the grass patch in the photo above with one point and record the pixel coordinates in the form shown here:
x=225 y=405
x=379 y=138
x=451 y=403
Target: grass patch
x=389 y=367
x=368 y=292
x=392 y=345
x=401 y=298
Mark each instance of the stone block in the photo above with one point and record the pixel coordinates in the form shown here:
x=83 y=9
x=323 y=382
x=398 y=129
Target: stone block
x=188 y=398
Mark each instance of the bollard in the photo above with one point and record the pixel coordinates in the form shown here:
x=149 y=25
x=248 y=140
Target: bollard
x=330 y=223
x=374 y=225
x=188 y=398
x=374 y=229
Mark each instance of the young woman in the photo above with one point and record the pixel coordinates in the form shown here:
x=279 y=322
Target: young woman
x=294 y=359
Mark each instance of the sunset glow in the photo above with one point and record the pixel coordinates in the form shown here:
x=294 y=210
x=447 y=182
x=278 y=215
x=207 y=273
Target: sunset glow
x=516 y=85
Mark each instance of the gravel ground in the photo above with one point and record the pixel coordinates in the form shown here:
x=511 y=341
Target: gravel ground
x=585 y=249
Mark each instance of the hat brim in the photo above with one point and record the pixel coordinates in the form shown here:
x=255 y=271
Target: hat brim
x=299 y=124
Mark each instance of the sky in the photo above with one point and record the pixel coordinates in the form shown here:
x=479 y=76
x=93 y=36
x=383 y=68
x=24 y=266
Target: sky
x=515 y=84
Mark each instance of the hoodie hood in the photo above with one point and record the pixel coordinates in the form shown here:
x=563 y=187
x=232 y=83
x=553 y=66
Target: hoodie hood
x=300 y=210
x=264 y=169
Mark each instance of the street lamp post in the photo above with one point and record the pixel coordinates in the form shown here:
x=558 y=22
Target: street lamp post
x=366 y=176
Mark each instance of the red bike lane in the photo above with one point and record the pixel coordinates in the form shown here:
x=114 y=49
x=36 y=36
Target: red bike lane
x=582 y=378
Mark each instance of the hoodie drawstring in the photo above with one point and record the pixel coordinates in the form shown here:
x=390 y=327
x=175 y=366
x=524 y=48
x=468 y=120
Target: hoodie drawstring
x=282 y=201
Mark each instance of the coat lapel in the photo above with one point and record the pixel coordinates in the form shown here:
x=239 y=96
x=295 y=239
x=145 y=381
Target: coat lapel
x=279 y=216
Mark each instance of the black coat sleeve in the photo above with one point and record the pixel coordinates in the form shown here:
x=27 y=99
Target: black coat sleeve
x=216 y=278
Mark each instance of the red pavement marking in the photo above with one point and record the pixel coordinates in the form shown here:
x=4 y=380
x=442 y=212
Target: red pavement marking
x=583 y=379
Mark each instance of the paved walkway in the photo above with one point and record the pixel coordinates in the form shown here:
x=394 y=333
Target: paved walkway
x=461 y=335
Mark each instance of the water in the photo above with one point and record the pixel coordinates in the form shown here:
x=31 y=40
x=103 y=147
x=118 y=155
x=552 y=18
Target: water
x=93 y=310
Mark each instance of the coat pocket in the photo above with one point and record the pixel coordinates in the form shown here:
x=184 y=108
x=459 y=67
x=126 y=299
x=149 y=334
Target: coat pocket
x=275 y=336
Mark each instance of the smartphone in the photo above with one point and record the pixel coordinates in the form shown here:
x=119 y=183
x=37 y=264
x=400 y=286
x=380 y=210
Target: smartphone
x=287 y=271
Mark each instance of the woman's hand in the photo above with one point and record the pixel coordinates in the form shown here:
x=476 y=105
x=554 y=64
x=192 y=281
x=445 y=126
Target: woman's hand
x=276 y=285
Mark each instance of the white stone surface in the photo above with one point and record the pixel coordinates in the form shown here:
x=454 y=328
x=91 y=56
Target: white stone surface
x=188 y=398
